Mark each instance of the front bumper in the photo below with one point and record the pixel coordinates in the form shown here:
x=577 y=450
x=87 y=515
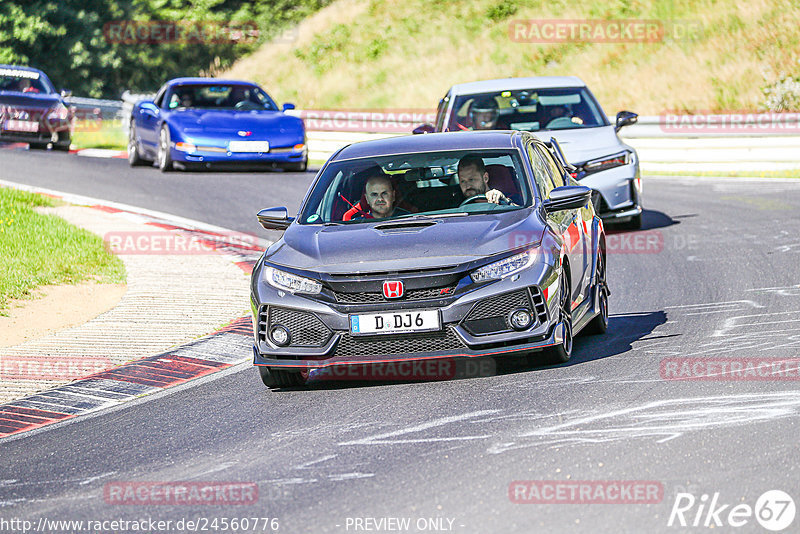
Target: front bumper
x=276 y=155
x=472 y=324
x=618 y=192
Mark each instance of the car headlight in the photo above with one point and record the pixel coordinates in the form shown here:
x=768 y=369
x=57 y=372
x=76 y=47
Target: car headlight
x=608 y=162
x=60 y=112
x=291 y=282
x=501 y=269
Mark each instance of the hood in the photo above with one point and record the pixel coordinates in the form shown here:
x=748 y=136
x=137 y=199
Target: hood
x=583 y=144
x=229 y=122
x=28 y=101
x=373 y=247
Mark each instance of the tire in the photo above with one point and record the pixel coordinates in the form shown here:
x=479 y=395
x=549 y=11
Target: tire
x=37 y=146
x=163 y=158
x=599 y=324
x=61 y=147
x=134 y=157
x=275 y=378
x=296 y=167
x=562 y=352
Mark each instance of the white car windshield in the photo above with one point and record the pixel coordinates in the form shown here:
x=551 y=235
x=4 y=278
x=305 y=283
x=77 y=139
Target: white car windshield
x=529 y=110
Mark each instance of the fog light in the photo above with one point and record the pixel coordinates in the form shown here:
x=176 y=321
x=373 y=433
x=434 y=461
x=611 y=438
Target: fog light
x=279 y=336
x=520 y=319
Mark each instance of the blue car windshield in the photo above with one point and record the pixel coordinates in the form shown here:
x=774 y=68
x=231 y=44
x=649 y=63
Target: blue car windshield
x=23 y=81
x=530 y=110
x=220 y=96
x=447 y=183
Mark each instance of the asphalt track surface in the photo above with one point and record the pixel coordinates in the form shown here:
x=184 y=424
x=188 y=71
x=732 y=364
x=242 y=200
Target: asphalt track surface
x=723 y=283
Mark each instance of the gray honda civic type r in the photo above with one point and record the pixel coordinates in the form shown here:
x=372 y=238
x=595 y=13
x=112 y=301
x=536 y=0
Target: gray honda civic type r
x=440 y=246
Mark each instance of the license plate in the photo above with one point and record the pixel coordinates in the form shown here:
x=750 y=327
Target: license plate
x=399 y=322
x=17 y=125
x=248 y=146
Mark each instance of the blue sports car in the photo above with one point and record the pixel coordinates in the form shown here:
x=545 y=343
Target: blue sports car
x=206 y=122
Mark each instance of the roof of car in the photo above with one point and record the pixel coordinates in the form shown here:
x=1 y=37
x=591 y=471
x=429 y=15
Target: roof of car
x=512 y=84
x=207 y=80
x=488 y=139
x=20 y=67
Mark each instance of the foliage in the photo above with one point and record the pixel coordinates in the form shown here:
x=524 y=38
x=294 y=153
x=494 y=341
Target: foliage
x=77 y=42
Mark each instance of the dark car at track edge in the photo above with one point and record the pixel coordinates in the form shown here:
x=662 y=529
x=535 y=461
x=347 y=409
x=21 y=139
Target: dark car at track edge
x=447 y=276
x=32 y=111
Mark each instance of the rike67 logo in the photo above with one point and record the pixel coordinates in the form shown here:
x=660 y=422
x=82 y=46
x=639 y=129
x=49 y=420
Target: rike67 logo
x=774 y=510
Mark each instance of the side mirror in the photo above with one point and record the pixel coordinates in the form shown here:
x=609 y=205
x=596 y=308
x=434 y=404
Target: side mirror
x=66 y=93
x=567 y=197
x=275 y=218
x=149 y=108
x=424 y=128
x=625 y=118
x=287 y=106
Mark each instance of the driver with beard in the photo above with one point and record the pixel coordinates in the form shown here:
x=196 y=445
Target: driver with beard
x=474 y=182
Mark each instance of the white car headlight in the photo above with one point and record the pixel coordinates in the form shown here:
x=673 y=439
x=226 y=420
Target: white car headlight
x=291 y=282
x=608 y=162
x=501 y=269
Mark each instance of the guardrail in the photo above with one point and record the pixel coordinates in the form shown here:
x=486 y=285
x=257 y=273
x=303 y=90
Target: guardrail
x=669 y=142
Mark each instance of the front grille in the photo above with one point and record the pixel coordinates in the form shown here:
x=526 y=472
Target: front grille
x=490 y=316
x=305 y=328
x=398 y=344
x=599 y=202
x=410 y=294
x=499 y=305
x=539 y=304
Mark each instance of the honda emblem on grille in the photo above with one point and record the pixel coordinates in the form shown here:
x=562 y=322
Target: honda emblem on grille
x=393 y=289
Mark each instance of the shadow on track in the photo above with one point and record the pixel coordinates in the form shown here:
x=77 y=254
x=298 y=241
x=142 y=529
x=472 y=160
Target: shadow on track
x=623 y=330
x=651 y=219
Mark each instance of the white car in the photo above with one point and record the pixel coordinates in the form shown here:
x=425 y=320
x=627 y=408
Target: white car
x=561 y=107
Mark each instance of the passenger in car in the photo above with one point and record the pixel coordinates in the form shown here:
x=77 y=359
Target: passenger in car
x=474 y=181
x=381 y=198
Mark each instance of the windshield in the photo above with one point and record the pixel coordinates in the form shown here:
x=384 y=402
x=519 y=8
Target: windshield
x=451 y=183
x=530 y=110
x=23 y=81
x=237 y=97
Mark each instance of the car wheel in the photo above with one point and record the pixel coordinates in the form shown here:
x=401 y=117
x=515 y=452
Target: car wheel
x=134 y=158
x=296 y=167
x=37 y=146
x=276 y=378
x=599 y=324
x=163 y=157
x=562 y=352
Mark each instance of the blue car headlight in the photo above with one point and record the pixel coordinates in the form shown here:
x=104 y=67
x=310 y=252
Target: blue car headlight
x=291 y=282
x=505 y=267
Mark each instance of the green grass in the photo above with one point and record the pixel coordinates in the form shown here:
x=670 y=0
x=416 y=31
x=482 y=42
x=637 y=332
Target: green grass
x=715 y=55
x=109 y=135
x=38 y=249
x=795 y=173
